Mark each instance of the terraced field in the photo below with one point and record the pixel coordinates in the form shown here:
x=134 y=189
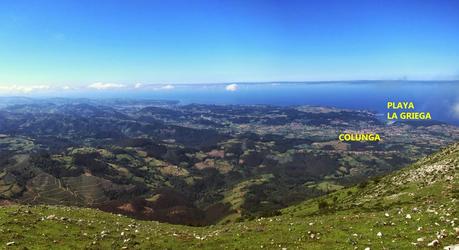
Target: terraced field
x=46 y=188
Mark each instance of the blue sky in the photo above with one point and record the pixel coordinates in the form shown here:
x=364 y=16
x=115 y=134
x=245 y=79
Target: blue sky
x=118 y=43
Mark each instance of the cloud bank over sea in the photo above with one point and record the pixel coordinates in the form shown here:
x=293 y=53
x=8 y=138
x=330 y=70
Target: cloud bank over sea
x=13 y=89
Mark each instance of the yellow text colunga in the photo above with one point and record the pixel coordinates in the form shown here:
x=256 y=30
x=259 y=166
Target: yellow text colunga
x=359 y=137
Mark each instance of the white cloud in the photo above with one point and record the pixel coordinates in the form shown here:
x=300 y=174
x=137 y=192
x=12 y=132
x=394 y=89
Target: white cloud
x=66 y=87
x=153 y=86
x=168 y=87
x=232 y=87
x=23 y=89
x=104 y=86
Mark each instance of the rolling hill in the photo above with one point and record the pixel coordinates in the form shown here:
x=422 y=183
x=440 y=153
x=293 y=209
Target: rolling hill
x=414 y=208
x=195 y=164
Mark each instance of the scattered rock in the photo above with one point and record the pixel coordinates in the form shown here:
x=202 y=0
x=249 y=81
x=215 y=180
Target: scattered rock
x=452 y=247
x=433 y=243
x=442 y=234
x=50 y=217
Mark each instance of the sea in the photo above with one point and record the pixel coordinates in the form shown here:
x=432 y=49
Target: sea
x=440 y=98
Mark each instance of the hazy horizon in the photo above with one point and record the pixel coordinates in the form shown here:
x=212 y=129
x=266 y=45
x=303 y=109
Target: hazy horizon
x=102 y=87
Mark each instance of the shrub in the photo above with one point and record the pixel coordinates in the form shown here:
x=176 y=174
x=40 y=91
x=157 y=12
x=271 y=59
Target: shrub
x=323 y=205
x=363 y=184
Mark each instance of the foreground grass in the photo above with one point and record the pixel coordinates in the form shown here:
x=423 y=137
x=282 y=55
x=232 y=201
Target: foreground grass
x=406 y=210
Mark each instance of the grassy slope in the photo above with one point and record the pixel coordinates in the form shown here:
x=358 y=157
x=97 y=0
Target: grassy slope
x=350 y=218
